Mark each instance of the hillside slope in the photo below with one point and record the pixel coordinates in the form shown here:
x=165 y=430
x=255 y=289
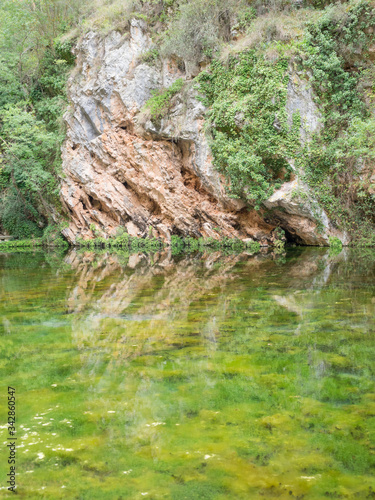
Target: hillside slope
x=214 y=119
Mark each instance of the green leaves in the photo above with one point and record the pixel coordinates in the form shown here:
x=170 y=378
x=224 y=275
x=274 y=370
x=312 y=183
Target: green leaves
x=336 y=47
x=29 y=160
x=29 y=149
x=33 y=72
x=160 y=102
x=331 y=46
x=11 y=90
x=251 y=140
x=18 y=216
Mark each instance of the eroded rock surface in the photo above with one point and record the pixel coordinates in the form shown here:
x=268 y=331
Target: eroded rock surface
x=122 y=170
x=118 y=173
x=294 y=208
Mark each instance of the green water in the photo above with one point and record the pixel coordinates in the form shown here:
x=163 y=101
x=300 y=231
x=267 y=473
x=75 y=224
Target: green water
x=214 y=377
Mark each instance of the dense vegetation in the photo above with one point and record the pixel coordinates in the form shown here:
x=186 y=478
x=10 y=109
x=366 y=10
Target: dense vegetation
x=252 y=142
x=251 y=137
x=33 y=71
x=242 y=54
x=336 y=52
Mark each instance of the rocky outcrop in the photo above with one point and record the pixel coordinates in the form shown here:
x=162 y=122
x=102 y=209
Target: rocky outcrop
x=293 y=206
x=121 y=170
x=300 y=99
x=120 y=173
x=294 y=209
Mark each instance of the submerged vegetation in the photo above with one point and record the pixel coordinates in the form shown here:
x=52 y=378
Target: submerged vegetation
x=219 y=378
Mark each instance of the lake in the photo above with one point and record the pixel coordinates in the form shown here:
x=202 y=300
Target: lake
x=190 y=376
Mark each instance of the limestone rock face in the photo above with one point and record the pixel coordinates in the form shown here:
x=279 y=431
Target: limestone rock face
x=300 y=100
x=120 y=173
x=294 y=208
x=122 y=170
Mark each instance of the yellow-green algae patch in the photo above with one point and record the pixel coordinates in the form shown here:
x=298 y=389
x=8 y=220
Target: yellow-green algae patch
x=204 y=377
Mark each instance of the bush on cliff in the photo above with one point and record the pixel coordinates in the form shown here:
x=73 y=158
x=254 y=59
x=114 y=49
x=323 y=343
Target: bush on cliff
x=253 y=144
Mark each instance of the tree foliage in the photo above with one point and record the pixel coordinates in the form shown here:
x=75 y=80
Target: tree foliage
x=336 y=54
x=33 y=71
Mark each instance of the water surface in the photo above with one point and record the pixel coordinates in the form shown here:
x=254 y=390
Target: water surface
x=193 y=377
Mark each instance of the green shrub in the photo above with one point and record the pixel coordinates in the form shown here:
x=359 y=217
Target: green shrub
x=27 y=244
x=334 y=242
x=18 y=217
x=198 y=29
x=160 y=103
x=123 y=241
x=335 y=52
x=251 y=140
x=52 y=236
x=152 y=56
x=34 y=65
x=226 y=245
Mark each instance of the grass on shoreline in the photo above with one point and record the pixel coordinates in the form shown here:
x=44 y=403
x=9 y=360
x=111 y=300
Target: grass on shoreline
x=176 y=244
x=33 y=243
x=126 y=242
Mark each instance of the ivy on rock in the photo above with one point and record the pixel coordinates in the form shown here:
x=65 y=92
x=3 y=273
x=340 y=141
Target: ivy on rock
x=251 y=139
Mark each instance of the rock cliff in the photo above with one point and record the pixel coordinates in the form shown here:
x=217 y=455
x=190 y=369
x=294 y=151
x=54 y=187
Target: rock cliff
x=121 y=169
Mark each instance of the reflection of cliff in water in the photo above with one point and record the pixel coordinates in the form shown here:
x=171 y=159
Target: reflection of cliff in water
x=152 y=299
x=159 y=302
